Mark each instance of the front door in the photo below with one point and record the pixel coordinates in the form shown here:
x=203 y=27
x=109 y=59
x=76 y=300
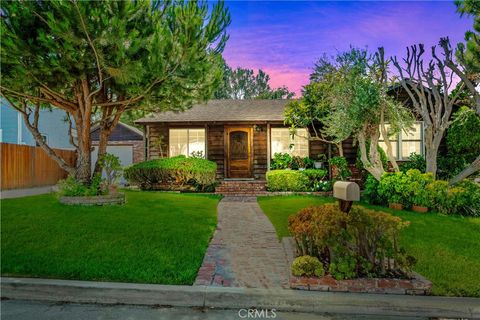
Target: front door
x=239 y=152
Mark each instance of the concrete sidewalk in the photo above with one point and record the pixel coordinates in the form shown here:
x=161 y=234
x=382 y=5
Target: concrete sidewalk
x=19 y=193
x=237 y=298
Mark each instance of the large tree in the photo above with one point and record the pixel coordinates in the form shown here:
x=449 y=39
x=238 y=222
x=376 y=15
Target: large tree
x=243 y=83
x=98 y=59
x=348 y=97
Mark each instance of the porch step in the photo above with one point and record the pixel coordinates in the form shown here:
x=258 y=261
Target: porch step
x=241 y=188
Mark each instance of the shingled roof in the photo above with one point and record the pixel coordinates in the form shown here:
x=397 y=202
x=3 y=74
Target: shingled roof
x=225 y=110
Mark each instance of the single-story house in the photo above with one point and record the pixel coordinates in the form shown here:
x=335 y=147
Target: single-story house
x=125 y=141
x=239 y=135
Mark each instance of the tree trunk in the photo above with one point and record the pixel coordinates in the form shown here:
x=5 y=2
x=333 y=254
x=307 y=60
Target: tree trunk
x=468 y=171
x=432 y=143
x=374 y=170
x=102 y=149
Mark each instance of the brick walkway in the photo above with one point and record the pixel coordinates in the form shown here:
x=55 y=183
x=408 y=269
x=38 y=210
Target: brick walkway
x=244 y=251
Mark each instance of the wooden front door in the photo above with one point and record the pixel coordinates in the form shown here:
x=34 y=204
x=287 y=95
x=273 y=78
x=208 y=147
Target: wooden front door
x=239 y=152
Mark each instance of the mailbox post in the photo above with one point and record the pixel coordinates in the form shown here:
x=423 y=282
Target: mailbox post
x=346 y=193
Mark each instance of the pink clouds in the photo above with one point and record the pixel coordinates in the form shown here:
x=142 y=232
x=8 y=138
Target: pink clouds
x=286 y=38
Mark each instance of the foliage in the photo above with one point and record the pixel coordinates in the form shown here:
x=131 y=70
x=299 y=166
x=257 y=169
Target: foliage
x=70 y=187
x=118 y=55
x=316 y=180
x=111 y=165
x=414 y=161
x=128 y=243
x=370 y=191
x=307 y=266
x=281 y=161
x=242 y=83
x=308 y=163
x=197 y=154
x=462 y=198
x=173 y=173
x=341 y=171
x=297 y=163
x=468 y=53
x=442 y=244
x=286 y=180
x=406 y=188
x=463 y=143
x=361 y=243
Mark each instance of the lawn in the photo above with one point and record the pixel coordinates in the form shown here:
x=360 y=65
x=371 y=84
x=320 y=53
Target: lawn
x=447 y=247
x=154 y=238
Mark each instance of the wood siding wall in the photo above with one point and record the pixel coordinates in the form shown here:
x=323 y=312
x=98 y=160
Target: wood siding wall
x=216 y=146
x=27 y=167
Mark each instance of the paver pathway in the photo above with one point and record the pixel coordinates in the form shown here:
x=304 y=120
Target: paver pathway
x=244 y=251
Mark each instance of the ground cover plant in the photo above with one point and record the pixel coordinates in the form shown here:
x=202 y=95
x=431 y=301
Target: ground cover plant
x=446 y=247
x=156 y=237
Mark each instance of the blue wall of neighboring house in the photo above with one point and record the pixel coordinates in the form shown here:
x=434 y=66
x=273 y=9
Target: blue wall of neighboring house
x=51 y=123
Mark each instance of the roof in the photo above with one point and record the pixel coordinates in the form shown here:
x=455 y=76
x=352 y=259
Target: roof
x=224 y=110
x=121 y=132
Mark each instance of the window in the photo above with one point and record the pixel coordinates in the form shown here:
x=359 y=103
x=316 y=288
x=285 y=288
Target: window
x=283 y=142
x=404 y=144
x=186 y=142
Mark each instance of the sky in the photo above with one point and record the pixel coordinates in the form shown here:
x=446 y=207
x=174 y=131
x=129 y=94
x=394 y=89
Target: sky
x=285 y=38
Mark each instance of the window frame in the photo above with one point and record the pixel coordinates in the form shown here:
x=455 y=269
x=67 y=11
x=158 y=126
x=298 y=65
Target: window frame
x=188 y=140
x=399 y=139
x=272 y=154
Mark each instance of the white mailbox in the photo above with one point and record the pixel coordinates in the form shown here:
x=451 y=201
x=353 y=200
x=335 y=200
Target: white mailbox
x=347 y=191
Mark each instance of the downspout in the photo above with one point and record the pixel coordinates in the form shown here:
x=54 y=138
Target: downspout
x=268 y=147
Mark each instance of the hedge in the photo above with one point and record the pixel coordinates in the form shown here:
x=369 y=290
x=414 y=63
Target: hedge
x=176 y=173
x=286 y=180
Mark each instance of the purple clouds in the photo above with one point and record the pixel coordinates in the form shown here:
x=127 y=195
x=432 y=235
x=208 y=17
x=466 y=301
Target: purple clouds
x=286 y=38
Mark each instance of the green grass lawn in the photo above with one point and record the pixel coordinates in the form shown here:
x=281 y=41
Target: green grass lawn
x=154 y=238
x=447 y=247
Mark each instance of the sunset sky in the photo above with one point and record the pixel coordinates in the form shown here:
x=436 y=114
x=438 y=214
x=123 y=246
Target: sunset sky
x=286 y=38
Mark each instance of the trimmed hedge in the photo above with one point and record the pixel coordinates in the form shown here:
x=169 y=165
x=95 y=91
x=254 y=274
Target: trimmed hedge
x=176 y=173
x=286 y=180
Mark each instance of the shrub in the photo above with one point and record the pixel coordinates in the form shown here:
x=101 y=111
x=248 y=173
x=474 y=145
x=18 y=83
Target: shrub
x=316 y=180
x=281 y=161
x=416 y=183
x=173 y=173
x=286 y=180
x=308 y=163
x=361 y=243
x=297 y=163
x=393 y=187
x=342 y=171
x=307 y=266
x=111 y=165
x=462 y=198
x=370 y=192
x=70 y=187
x=415 y=161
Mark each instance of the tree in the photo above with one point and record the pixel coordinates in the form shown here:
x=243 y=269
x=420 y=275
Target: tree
x=96 y=60
x=348 y=97
x=242 y=83
x=428 y=86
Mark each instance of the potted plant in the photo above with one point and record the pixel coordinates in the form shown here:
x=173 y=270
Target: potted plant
x=318 y=164
x=420 y=200
x=392 y=187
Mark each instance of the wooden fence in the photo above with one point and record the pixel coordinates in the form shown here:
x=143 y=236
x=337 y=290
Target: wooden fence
x=27 y=167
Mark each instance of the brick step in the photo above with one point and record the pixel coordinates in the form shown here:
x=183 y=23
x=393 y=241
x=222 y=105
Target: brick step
x=241 y=188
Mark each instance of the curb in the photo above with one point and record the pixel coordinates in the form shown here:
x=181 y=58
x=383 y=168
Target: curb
x=236 y=298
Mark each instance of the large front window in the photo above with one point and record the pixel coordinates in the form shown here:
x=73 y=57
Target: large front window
x=186 y=142
x=405 y=144
x=282 y=141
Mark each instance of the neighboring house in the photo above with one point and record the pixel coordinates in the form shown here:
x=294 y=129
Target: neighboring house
x=126 y=142
x=51 y=123
x=242 y=136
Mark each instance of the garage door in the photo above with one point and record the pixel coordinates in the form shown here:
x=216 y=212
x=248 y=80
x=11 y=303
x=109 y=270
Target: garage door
x=124 y=153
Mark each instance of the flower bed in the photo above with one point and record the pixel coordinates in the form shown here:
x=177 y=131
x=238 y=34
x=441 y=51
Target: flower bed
x=111 y=199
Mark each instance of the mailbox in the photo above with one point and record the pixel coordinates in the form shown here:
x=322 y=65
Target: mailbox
x=348 y=191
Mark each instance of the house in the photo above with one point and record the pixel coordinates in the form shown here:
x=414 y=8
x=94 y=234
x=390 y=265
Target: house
x=52 y=126
x=126 y=142
x=241 y=136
